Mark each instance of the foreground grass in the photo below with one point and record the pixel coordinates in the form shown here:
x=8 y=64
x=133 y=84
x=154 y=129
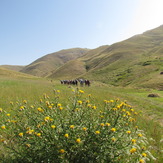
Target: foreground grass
x=32 y=90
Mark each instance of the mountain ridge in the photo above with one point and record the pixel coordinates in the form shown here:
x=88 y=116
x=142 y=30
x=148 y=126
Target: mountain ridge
x=136 y=61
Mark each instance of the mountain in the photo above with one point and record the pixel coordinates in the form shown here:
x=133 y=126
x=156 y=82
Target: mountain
x=136 y=61
x=77 y=67
x=49 y=63
x=12 y=67
x=6 y=73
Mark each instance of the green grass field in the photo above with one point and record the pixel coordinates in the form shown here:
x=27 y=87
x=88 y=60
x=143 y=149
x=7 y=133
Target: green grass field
x=150 y=109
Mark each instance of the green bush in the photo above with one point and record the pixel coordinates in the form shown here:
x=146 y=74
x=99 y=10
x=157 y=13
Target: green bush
x=76 y=130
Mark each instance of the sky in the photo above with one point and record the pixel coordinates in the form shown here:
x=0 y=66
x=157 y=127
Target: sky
x=30 y=29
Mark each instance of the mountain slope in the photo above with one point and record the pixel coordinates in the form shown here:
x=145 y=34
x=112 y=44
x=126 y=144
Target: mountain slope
x=49 y=63
x=136 y=61
x=13 y=67
x=13 y=74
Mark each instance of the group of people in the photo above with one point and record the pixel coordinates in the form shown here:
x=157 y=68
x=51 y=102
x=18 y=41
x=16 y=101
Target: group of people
x=82 y=82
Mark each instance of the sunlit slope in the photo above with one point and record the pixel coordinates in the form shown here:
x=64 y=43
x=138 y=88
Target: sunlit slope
x=70 y=70
x=49 y=63
x=76 y=68
x=135 y=61
x=13 y=67
x=13 y=74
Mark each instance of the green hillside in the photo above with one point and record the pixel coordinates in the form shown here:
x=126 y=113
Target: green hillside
x=49 y=63
x=13 y=67
x=6 y=73
x=136 y=61
x=70 y=70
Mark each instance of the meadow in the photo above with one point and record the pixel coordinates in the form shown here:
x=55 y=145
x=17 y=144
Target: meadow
x=17 y=93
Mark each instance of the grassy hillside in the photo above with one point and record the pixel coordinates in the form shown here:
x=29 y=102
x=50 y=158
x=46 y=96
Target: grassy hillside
x=49 y=63
x=32 y=91
x=70 y=70
x=13 y=67
x=5 y=73
x=136 y=61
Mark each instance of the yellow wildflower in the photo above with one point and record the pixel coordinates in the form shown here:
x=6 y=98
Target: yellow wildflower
x=80 y=91
x=8 y=114
x=72 y=126
x=128 y=113
x=53 y=126
x=3 y=127
x=133 y=141
x=61 y=108
x=47 y=119
x=1 y=109
x=135 y=113
x=61 y=151
x=107 y=124
x=113 y=129
x=87 y=101
x=128 y=132
x=66 y=135
x=21 y=107
x=84 y=128
x=97 y=132
x=28 y=145
x=133 y=150
x=50 y=107
x=89 y=95
x=79 y=102
x=40 y=109
x=38 y=134
x=24 y=101
x=94 y=107
x=141 y=161
x=140 y=135
x=78 y=140
x=21 y=134
x=89 y=105
x=47 y=103
x=102 y=124
x=144 y=154
x=123 y=110
x=59 y=105
x=30 y=132
x=113 y=139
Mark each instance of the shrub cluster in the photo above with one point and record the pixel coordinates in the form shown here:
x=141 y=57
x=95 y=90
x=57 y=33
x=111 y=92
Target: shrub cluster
x=76 y=131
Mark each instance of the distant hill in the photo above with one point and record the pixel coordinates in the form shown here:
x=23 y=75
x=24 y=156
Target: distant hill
x=77 y=67
x=49 y=63
x=13 y=74
x=136 y=61
x=13 y=67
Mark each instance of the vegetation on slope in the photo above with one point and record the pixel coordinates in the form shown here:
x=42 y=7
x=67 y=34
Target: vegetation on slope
x=5 y=73
x=46 y=64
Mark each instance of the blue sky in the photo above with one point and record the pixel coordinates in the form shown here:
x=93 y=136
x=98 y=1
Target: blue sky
x=30 y=29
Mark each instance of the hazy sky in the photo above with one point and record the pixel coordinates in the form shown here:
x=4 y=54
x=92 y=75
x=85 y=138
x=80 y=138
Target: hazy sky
x=30 y=29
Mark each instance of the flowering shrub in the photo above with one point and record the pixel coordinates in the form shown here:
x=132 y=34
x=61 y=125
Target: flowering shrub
x=78 y=131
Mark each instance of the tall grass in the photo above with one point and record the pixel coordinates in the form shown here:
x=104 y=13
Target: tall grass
x=13 y=90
